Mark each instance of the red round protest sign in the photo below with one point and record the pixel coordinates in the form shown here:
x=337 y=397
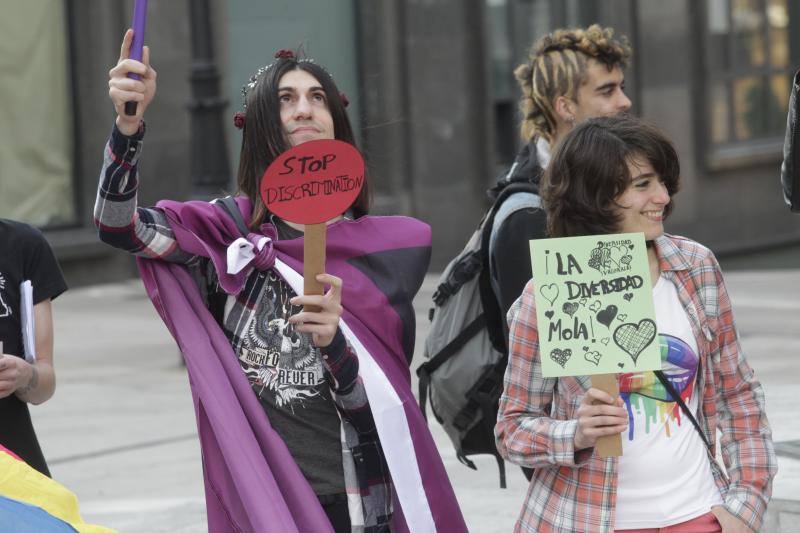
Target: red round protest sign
x=313 y=182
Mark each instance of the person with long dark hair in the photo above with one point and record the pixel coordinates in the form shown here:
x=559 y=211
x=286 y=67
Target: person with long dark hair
x=619 y=175
x=306 y=418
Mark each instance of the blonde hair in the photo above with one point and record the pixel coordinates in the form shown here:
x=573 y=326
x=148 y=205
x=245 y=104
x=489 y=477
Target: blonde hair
x=556 y=67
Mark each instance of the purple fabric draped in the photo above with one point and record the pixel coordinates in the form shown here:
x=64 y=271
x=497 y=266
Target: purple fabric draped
x=252 y=482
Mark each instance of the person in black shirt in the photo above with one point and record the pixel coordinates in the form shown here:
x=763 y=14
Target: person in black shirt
x=25 y=256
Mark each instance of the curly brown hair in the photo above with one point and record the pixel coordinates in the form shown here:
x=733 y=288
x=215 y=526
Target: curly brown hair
x=556 y=67
x=589 y=171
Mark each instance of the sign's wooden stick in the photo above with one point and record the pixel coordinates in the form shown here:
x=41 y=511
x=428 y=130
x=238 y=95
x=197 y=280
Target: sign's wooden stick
x=313 y=260
x=611 y=445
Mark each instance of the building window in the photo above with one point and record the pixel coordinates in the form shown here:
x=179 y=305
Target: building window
x=36 y=146
x=502 y=87
x=748 y=73
x=513 y=26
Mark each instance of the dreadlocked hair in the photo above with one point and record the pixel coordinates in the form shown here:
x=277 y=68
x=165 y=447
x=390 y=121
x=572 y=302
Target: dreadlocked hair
x=556 y=67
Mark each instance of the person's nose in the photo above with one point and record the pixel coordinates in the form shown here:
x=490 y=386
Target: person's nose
x=623 y=103
x=303 y=110
x=661 y=196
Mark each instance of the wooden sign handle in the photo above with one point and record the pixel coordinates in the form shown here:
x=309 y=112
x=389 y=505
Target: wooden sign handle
x=313 y=260
x=611 y=445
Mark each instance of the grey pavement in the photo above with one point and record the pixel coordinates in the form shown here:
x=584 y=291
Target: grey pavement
x=120 y=431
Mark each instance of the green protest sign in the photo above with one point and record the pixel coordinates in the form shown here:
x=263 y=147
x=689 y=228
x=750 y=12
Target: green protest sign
x=594 y=305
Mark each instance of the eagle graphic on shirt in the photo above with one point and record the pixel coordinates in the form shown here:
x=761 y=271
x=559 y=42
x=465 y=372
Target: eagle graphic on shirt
x=276 y=358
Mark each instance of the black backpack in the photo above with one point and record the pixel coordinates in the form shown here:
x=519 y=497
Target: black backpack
x=466 y=347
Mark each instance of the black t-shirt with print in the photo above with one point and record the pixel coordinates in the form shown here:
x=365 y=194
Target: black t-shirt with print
x=24 y=255
x=286 y=373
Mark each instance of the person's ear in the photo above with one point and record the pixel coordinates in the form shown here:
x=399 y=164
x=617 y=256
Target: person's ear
x=565 y=109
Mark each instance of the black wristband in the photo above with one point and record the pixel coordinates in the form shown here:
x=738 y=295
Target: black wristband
x=335 y=350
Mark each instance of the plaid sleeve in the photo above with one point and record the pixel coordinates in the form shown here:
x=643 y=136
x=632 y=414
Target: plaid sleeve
x=525 y=433
x=349 y=393
x=746 y=437
x=120 y=223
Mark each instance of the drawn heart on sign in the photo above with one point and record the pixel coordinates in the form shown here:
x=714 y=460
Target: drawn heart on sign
x=634 y=338
x=628 y=296
x=595 y=307
x=626 y=260
x=621 y=365
x=622 y=317
x=606 y=316
x=549 y=292
x=583 y=301
x=617 y=253
x=561 y=356
x=592 y=357
x=605 y=341
x=549 y=314
x=569 y=308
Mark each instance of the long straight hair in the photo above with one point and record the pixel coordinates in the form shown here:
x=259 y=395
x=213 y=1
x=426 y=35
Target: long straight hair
x=264 y=137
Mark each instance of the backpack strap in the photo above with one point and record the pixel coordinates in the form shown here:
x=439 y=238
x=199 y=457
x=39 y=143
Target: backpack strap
x=229 y=205
x=491 y=308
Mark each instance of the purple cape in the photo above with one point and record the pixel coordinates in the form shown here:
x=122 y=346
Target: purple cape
x=252 y=482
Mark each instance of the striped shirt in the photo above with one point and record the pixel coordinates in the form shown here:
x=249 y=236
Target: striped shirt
x=574 y=491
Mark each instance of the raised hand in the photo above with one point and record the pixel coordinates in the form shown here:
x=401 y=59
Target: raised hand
x=122 y=89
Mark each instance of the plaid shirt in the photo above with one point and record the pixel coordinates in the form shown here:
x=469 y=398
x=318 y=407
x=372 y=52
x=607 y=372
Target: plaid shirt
x=146 y=232
x=575 y=490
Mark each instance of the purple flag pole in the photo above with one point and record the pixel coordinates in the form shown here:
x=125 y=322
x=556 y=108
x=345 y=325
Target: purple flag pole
x=139 y=19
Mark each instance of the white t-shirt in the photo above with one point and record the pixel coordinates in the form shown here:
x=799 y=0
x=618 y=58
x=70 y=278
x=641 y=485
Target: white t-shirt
x=664 y=473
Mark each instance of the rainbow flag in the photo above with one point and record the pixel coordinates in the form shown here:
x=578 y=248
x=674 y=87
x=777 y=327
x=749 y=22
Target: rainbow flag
x=31 y=501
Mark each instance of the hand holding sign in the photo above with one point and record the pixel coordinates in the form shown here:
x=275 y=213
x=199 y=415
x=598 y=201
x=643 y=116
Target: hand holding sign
x=321 y=324
x=600 y=416
x=311 y=184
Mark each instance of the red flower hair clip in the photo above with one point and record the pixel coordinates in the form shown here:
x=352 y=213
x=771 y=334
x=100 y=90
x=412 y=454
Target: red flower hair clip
x=345 y=101
x=284 y=53
x=238 y=120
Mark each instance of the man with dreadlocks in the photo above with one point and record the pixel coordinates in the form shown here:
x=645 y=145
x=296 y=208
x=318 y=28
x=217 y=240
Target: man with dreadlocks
x=306 y=419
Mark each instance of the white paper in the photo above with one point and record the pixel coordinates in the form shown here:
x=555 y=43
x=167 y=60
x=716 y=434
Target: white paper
x=26 y=316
